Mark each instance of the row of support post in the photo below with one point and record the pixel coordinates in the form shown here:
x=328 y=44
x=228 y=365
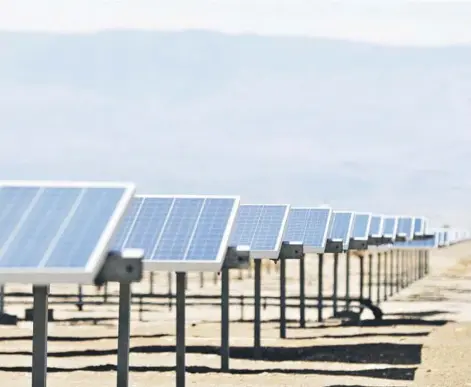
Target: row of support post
x=405 y=268
x=225 y=304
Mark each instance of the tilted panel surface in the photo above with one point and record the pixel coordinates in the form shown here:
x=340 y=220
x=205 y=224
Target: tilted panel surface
x=389 y=226
x=375 y=226
x=361 y=225
x=404 y=226
x=297 y=224
x=418 y=226
x=316 y=230
x=58 y=227
x=178 y=228
x=341 y=226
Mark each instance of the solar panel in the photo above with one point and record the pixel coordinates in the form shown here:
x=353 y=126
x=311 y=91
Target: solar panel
x=376 y=225
x=361 y=225
x=389 y=226
x=405 y=227
x=418 y=243
x=261 y=228
x=419 y=226
x=58 y=232
x=308 y=225
x=341 y=227
x=445 y=237
x=179 y=232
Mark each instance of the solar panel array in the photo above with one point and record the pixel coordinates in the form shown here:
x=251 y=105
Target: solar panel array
x=62 y=231
x=418 y=244
x=179 y=233
x=308 y=225
x=261 y=228
x=57 y=232
x=449 y=236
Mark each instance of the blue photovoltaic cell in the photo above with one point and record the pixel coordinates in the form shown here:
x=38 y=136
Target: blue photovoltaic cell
x=53 y=227
x=418 y=226
x=212 y=224
x=404 y=226
x=259 y=226
x=375 y=226
x=307 y=225
x=126 y=224
x=317 y=227
x=176 y=228
x=340 y=226
x=142 y=224
x=361 y=225
x=389 y=226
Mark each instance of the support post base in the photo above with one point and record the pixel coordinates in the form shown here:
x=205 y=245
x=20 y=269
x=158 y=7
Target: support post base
x=8 y=319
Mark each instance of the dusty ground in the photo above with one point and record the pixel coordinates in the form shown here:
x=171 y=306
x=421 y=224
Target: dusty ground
x=413 y=346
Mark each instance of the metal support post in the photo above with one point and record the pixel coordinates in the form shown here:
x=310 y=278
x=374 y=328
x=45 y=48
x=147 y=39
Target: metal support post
x=347 y=280
x=257 y=314
x=169 y=291
x=398 y=270
x=362 y=276
x=282 y=298
x=225 y=354
x=40 y=305
x=302 y=294
x=378 y=278
x=2 y=299
x=201 y=280
x=370 y=276
x=427 y=262
x=105 y=293
x=123 y=334
x=80 y=298
x=151 y=282
x=335 y=284
x=386 y=277
x=409 y=268
x=391 y=273
x=180 y=345
x=320 y=285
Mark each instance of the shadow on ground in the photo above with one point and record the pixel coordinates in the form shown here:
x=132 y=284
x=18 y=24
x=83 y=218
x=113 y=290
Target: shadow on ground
x=380 y=353
x=362 y=335
x=355 y=385
x=429 y=313
x=375 y=353
x=388 y=322
x=384 y=373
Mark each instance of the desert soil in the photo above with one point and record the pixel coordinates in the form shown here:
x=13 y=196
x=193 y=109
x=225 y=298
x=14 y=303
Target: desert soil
x=424 y=340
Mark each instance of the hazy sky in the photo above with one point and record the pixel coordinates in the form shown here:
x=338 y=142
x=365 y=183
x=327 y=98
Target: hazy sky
x=386 y=21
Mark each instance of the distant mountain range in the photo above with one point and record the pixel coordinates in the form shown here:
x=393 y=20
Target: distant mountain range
x=276 y=119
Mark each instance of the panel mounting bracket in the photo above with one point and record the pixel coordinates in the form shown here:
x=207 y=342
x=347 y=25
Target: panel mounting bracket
x=422 y=237
x=400 y=238
x=291 y=250
x=123 y=267
x=375 y=240
x=237 y=257
x=358 y=244
x=386 y=240
x=333 y=246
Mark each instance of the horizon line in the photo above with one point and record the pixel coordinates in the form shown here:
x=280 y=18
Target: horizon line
x=313 y=37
